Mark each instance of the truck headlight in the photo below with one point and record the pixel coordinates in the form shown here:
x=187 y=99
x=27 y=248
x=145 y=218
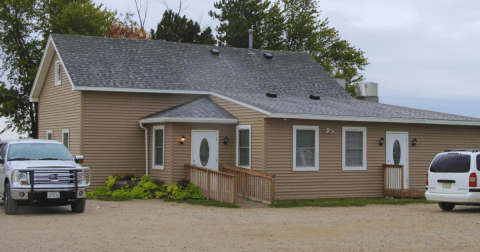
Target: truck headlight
x=22 y=177
x=80 y=177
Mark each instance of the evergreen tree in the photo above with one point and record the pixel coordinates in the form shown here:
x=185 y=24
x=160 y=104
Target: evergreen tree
x=174 y=27
x=236 y=18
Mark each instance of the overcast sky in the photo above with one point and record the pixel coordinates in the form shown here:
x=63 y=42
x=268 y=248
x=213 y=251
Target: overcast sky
x=423 y=54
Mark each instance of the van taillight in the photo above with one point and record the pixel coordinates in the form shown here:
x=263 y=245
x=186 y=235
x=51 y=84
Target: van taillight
x=427 y=178
x=473 y=180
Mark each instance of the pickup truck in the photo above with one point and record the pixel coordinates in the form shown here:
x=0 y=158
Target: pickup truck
x=41 y=172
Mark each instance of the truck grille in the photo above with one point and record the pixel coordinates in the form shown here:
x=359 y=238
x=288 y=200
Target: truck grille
x=54 y=177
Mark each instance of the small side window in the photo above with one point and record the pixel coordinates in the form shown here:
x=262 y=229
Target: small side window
x=58 y=73
x=66 y=138
x=3 y=150
x=49 y=135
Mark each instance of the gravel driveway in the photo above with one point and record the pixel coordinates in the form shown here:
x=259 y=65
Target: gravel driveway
x=154 y=225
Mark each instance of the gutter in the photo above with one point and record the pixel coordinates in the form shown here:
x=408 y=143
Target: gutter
x=146 y=148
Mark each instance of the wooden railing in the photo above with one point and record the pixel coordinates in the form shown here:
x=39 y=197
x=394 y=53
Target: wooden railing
x=393 y=180
x=215 y=185
x=253 y=184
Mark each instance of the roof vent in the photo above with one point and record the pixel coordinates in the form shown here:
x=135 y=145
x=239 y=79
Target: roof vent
x=272 y=95
x=215 y=52
x=268 y=56
x=315 y=97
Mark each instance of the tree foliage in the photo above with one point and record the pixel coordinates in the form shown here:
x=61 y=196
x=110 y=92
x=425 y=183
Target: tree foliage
x=127 y=28
x=291 y=25
x=174 y=27
x=24 y=28
x=236 y=18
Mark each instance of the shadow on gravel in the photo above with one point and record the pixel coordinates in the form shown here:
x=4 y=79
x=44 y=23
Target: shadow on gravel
x=466 y=210
x=40 y=210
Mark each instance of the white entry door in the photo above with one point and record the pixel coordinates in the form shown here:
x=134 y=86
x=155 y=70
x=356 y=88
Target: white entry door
x=397 y=152
x=205 y=149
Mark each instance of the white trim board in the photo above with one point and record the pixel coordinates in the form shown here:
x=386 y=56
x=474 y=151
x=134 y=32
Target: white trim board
x=188 y=120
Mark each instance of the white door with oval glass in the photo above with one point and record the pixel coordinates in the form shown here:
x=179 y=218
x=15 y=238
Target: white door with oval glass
x=397 y=152
x=205 y=149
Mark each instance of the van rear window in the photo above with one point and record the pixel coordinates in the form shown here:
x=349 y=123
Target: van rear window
x=478 y=162
x=455 y=163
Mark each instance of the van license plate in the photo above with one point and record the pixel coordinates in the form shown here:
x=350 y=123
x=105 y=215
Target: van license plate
x=447 y=185
x=53 y=195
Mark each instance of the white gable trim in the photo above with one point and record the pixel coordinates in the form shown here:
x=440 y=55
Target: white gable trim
x=188 y=120
x=42 y=71
x=372 y=119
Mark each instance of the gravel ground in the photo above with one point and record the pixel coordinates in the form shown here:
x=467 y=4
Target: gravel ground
x=154 y=225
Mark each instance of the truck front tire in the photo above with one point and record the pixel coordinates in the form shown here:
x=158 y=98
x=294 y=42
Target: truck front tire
x=10 y=205
x=79 y=206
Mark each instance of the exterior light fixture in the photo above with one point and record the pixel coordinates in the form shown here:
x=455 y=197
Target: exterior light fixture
x=182 y=139
x=382 y=141
x=225 y=140
x=328 y=130
x=414 y=142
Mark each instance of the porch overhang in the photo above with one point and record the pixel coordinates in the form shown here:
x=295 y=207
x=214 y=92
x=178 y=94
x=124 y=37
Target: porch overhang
x=188 y=120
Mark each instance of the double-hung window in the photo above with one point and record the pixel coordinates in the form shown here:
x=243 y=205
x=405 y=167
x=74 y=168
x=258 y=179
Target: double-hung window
x=49 y=135
x=158 y=146
x=66 y=138
x=58 y=73
x=305 y=148
x=354 y=148
x=244 y=146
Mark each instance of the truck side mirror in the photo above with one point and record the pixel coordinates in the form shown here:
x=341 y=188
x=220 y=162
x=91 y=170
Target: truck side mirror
x=2 y=160
x=79 y=159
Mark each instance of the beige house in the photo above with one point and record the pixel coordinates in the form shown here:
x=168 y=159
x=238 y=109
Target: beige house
x=154 y=106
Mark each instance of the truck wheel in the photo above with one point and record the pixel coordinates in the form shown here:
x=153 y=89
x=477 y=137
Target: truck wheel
x=446 y=206
x=10 y=205
x=79 y=206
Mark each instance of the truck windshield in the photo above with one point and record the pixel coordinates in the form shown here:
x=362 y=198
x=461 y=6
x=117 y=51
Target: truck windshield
x=38 y=151
x=455 y=163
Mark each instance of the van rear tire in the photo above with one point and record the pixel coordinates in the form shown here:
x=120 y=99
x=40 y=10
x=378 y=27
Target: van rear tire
x=445 y=206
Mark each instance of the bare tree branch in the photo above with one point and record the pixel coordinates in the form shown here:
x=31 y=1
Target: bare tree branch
x=138 y=5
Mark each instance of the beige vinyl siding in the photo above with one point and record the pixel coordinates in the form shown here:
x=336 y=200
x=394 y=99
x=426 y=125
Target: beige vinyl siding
x=331 y=182
x=182 y=152
x=113 y=141
x=247 y=116
x=59 y=109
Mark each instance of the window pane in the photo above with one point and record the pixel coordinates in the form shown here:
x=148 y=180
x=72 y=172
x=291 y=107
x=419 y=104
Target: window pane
x=158 y=138
x=243 y=140
x=306 y=138
x=49 y=136
x=305 y=157
x=244 y=156
x=65 y=139
x=158 y=156
x=354 y=139
x=354 y=157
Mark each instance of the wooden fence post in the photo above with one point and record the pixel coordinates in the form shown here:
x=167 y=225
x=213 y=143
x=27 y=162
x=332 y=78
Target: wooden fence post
x=234 y=189
x=208 y=185
x=403 y=186
x=272 y=189
x=244 y=184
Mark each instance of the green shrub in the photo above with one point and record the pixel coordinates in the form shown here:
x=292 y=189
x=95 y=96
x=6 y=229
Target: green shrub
x=190 y=191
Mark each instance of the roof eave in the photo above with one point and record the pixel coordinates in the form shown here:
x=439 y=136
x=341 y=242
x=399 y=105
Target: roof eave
x=189 y=120
x=374 y=119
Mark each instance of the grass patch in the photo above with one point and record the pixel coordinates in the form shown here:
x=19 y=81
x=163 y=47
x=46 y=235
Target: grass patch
x=106 y=198
x=204 y=202
x=256 y=201
x=348 y=202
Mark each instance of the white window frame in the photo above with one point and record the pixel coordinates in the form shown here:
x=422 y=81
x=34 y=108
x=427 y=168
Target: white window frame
x=49 y=132
x=58 y=76
x=344 y=139
x=301 y=127
x=63 y=138
x=249 y=128
x=161 y=167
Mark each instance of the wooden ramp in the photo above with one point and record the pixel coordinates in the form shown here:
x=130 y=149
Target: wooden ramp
x=393 y=183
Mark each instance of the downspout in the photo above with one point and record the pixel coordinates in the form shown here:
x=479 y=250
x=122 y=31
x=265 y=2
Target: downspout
x=146 y=147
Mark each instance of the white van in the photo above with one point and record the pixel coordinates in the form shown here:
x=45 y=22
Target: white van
x=452 y=179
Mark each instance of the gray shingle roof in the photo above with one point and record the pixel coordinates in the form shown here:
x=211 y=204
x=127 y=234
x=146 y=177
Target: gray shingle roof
x=160 y=65
x=203 y=107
